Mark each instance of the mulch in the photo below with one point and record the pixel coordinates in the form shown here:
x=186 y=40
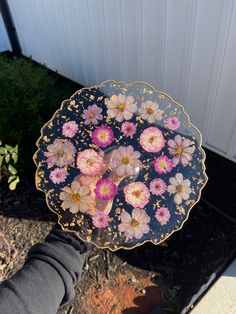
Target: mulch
x=175 y=270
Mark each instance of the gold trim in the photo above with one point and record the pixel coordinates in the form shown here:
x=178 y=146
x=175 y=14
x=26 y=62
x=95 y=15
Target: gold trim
x=200 y=148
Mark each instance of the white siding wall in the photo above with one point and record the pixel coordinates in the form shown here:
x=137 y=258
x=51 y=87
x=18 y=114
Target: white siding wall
x=186 y=48
x=4 y=41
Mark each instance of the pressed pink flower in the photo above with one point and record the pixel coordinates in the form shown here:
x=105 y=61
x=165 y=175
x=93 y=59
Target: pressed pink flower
x=162 y=164
x=157 y=186
x=92 y=114
x=152 y=140
x=58 y=175
x=100 y=220
x=124 y=160
x=121 y=107
x=103 y=136
x=162 y=215
x=173 y=123
x=70 y=128
x=105 y=189
x=60 y=153
x=128 y=128
x=181 y=149
x=137 y=194
x=134 y=225
x=90 y=162
x=77 y=198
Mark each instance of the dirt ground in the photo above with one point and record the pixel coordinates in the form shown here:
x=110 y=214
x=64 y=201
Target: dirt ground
x=127 y=282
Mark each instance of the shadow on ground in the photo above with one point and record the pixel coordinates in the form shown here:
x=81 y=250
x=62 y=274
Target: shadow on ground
x=190 y=256
x=26 y=202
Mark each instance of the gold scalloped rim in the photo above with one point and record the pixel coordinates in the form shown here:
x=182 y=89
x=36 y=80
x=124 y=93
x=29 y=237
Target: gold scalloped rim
x=200 y=148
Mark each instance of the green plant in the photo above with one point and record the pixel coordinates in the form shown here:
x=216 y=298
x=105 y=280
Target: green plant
x=29 y=95
x=8 y=158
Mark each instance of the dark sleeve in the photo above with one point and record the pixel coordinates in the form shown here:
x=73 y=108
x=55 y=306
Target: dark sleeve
x=47 y=278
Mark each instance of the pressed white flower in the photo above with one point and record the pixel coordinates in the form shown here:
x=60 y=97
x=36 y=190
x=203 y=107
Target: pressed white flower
x=134 y=225
x=121 y=107
x=180 y=187
x=77 y=198
x=150 y=111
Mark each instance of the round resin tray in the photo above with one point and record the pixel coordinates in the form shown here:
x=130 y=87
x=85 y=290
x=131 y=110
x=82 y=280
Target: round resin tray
x=120 y=164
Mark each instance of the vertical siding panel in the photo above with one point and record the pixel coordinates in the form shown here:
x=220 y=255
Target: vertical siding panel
x=131 y=38
x=216 y=74
x=188 y=52
x=112 y=22
x=175 y=43
x=203 y=64
x=163 y=9
x=223 y=117
x=153 y=17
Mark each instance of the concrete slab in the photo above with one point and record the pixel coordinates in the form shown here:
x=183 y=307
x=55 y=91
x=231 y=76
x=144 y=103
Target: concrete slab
x=221 y=298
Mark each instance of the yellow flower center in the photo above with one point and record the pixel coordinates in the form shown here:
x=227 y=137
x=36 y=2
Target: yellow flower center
x=121 y=107
x=105 y=189
x=180 y=188
x=136 y=193
x=134 y=223
x=90 y=162
x=150 y=111
x=76 y=198
x=125 y=160
x=103 y=136
x=61 y=153
x=179 y=150
x=162 y=164
x=151 y=139
x=91 y=115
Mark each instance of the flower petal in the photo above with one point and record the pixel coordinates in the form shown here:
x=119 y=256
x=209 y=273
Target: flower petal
x=119 y=116
x=137 y=214
x=173 y=181
x=172 y=144
x=178 y=140
x=129 y=232
x=125 y=217
x=115 y=99
x=171 y=189
x=75 y=186
x=129 y=170
x=145 y=228
x=129 y=100
x=74 y=208
x=121 y=170
x=112 y=112
x=184 y=160
x=186 y=142
x=179 y=177
x=178 y=198
x=122 y=98
x=186 y=183
x=127 y=115
x=176 y=160
x=185 y=196
x=84 y=190
x=123 y=226
x=189 y=150
x=138 y=233
x=132 y=107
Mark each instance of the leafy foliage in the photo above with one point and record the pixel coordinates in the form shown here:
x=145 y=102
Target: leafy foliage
x=29 y=94
x=8 y=159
